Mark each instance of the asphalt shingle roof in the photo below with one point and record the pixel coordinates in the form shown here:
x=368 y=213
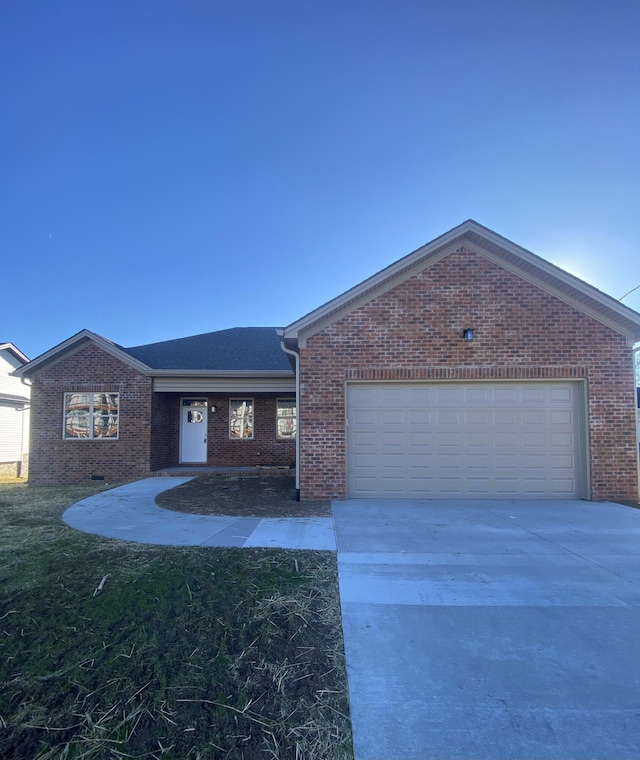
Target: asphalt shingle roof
x=239 y=348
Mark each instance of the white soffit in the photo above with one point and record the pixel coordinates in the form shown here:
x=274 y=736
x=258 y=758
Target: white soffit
x=210 y=384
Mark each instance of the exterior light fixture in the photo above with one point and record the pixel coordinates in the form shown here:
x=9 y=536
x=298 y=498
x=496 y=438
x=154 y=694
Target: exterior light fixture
x=467 y=333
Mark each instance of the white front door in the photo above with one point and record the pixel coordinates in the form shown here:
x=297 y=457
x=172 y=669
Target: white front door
x=193 y=430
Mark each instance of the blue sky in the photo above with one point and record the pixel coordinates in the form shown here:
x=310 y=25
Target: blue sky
x=171 y=168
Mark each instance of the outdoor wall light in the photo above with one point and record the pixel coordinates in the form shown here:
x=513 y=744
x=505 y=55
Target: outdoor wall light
x=212 y=408
x=467 y=333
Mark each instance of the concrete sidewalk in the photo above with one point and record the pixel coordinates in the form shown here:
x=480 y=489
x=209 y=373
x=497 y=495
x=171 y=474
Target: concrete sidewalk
x=131 y=514
x=491 y=630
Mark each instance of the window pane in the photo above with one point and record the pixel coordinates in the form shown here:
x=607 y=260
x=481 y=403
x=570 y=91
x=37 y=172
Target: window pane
x=91 y=415
x=77 y=414
x=105 y=415
x=241 y=418
x=286 y=418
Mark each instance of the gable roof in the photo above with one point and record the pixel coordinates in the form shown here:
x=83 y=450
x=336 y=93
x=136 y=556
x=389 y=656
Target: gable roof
x=15 y=351
x=498 y=249
x=234 y=352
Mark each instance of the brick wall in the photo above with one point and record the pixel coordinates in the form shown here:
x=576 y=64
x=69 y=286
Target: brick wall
x=414 y=332
x=263 y=449
x=54 y=460
x=165 y=430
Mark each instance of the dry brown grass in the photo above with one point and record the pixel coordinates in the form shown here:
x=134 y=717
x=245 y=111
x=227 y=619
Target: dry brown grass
x=117 y=650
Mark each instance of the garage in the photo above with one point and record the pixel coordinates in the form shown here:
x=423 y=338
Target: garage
x=476 y=439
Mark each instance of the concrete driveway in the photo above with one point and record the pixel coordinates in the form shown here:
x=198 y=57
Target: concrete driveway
x=491 y=630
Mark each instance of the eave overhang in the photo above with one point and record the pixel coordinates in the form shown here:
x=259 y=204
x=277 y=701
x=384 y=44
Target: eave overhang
x=15 y=351
x=10 y=398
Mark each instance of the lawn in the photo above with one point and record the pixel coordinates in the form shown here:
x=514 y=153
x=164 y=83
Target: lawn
x=118 y=650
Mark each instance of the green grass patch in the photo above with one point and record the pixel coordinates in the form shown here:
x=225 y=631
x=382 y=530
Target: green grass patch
x=117 y=650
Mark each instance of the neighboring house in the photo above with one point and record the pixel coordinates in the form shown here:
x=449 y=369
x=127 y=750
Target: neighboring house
x=469 y=368
x=14 y=414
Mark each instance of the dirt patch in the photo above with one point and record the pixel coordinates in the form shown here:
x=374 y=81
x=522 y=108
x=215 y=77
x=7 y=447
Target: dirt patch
x=241 y=496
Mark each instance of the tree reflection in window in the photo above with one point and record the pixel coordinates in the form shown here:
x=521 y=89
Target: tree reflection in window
x=286 y=418
x=241 y=418
x=91 y=415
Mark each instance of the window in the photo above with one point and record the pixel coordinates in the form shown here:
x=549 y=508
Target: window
x=241 y=418
x=91 y=415
x=286 y=419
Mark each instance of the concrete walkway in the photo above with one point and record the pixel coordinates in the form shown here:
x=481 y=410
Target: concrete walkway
x=131 y=514
x=474 y=630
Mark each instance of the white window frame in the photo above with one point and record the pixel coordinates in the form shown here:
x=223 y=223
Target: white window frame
x=245 y=400
x=91 y=414
x=294 y=417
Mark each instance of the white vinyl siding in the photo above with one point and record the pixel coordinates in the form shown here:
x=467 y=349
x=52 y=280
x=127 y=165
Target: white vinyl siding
x=13 y=428
x=14 y=410
x=448 y=440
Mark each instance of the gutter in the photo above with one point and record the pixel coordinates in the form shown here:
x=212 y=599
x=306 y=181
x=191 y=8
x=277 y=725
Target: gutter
x=295 y=354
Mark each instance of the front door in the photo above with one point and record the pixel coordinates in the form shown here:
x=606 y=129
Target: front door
x=193 y=430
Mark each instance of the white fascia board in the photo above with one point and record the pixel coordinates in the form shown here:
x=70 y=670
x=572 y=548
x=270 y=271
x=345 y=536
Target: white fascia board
x=74 y=344
x=15 y=351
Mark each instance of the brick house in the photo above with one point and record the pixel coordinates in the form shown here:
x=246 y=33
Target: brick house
x=469 y=368
x=99 y=410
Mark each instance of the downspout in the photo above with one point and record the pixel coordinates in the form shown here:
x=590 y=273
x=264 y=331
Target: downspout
x=28 y=383
x=291 y=352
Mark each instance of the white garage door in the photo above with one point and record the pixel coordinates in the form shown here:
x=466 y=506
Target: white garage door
x=504 y=440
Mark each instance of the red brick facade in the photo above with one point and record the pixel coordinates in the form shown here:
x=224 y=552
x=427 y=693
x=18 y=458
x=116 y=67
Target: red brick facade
x=263 y=449
x=414 y=332
x=149 y=425
x=56 y=461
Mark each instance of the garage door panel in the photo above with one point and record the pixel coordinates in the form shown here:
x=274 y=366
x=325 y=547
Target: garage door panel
x=560 y=394
x=562 y=486
x=479 y=439
x=479 y=394
x=504 y=417
x=535 y=418
x=561 y=440
x=435 y=440
x=509 y=439
x=561 y=417
x=420 y=439
x=503 y=394
x=448 y=439
x=479 y=417
x=476 y=461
